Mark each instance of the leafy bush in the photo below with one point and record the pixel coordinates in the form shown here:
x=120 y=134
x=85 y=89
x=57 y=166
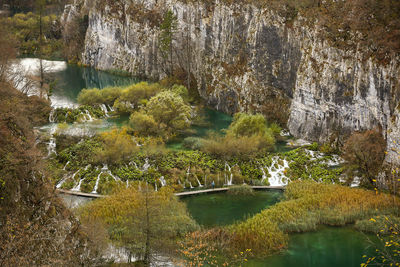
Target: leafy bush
x=241 y=190
x=144 y=124
x=193 y=143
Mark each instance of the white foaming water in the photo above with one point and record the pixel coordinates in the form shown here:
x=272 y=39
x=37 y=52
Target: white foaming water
x=73 y=177
x=66 y=165
x=276 y=172
x=228 y=179
x=162 y=181
x=198 y=181
x=146 y=165
x=104 y=109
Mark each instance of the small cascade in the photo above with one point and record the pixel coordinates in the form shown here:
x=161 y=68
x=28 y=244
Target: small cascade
x=104 y=109
x=110 y=108
x=155 y=186
x=66 y=165
x=51 y=116
x=51 y=146
x=134 y=164
x=78 y=187
x=188 y=172
x=96 y=186
x=228 y=179
x=58 y=186
x=276 y=172
x=106 y=170
x=146 y=165
x=198 y=181
x=162 y=181
x=88 y=116
x=191 y=186
x=80 y=182
x=127 y=183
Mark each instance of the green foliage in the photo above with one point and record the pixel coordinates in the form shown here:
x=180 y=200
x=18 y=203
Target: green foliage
x=194 y=143
x=302 y=166
x=117 y=146
x=144 y=222
x=378 y=224
x=81 y=154
x=71 y=115
x=143 y=124
x=241 y=190
x=25 y=27
x=247 y=125
x=170 y=111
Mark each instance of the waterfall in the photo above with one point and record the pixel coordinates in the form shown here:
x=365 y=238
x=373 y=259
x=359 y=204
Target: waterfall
x=51 y=116
x=104 y=109
x=78 y=187
x=127 y=183
x=87 y=113
x=58 y=186
x=110 y=108
x=66 y=165
x=146 y=165
x=96 y=186
x=228 y=180
x=277 y=175
x=162 y=181
x=51 y=146
x=198 y=181
x=133 y=163
x=155 y=186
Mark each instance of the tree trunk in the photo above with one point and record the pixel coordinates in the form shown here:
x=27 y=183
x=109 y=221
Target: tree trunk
x=147 y=246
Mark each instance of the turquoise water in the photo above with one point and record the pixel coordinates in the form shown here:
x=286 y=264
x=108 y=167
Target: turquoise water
x=73 y=79
x=223 y=209
x=327 y=247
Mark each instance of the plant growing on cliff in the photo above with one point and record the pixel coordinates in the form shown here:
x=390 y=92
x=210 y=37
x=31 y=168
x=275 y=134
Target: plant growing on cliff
x=167 y=30
x=364 y=153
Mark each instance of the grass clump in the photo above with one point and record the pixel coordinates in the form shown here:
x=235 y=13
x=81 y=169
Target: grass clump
x=378 y=224
x=307 y=205
x=241 y=190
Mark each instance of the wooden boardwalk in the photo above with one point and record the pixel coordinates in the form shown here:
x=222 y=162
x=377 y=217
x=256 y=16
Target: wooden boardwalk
x=181 y=194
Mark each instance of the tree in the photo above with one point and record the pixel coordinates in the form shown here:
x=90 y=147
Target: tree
x=117 y=147
x=169 y=109
x=364 y=153
x=144 y=124
x=40 y=5
x=168 y=28
x=144 y=222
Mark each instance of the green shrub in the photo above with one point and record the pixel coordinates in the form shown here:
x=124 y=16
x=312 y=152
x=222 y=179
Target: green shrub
x=241 y=190
x=193 y=143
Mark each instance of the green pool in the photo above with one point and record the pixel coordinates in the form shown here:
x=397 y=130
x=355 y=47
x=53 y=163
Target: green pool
x=327 y=247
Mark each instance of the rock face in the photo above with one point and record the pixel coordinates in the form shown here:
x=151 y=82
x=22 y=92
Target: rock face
x=245 y=58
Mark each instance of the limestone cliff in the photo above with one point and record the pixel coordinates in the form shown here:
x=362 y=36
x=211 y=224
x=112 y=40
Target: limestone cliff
x=246 y=58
